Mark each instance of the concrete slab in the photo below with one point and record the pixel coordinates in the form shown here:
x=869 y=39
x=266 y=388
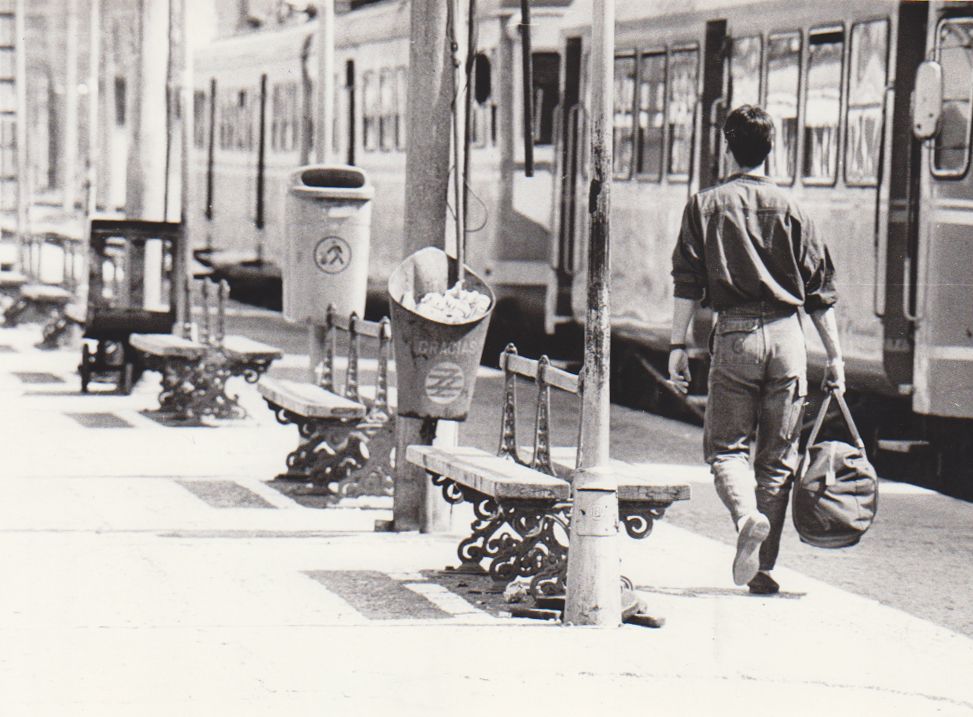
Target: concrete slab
x=125 y=593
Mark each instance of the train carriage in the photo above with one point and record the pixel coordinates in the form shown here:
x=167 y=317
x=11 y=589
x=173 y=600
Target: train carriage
x=255 y=122
x=895 y=209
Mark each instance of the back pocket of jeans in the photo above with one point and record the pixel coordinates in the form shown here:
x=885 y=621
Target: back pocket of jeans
x=738 y=341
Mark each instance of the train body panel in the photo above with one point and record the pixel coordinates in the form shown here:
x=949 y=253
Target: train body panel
x=240 y=215
x=661 y=67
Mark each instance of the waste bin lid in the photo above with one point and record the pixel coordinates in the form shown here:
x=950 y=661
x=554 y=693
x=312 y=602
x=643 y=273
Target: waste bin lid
x=331 y=181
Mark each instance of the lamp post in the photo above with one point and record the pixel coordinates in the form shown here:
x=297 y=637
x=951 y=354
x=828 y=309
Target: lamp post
x=593 y=579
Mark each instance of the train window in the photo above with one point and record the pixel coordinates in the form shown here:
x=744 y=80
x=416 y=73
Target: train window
x=822 y=112
x=955 y=52
x=371 y=110
x=401 y=97
x=547 y=68
x=387 y=116
x=276 y=117
x=624 y=100
x=199 y=118
x=244 y=128
x=866 y=95
x=683 y=81
x=120 y=101
x=783 y=84
x=745 y=58
x=651 y=117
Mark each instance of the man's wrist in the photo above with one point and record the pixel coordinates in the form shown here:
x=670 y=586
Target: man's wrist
x=836 y=361
x=677 y=346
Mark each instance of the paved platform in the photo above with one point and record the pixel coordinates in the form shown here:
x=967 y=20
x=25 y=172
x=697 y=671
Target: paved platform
x=150 y=570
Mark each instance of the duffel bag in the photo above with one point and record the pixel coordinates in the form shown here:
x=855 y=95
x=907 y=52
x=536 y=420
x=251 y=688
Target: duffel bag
x=836 y=492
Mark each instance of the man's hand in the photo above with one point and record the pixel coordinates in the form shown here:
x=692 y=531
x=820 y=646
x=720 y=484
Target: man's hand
x=679 y=375
x=834 y=376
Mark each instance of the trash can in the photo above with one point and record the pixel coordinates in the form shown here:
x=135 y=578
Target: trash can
x=435 y=362
x=326 y=242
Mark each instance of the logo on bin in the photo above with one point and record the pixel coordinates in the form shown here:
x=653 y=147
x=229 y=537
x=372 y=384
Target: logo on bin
x=332 y=255
x=444 y=382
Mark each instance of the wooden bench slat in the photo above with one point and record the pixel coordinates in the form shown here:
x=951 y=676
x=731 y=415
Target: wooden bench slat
x=78 y=313
x=488 y=473
x=167 y=345
x=243 y=347
x=306 y=399
x=46 y=292
x=12 y=279
x=371 y=329
x=528 y=368
x=635 y=483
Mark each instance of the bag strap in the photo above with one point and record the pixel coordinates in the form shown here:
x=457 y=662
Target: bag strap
x=850 y=422
x=845 y=413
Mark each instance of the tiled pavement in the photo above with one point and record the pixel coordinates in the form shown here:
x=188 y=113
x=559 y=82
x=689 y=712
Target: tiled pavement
x=151 y=570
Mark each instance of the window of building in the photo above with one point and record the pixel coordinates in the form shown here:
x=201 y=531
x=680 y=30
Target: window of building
x=867 y=76
x=783 y=85
x=624 y=101
x=745 y=58
x=951 y=150
x=371 y=111
x=651 y=117
x=822 y=113
x=683 y=90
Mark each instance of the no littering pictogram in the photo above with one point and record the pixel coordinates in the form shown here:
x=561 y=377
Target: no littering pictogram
x=332 y=255
x=444 y=382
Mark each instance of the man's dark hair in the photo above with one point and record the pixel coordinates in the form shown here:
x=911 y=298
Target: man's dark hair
x=749 y=132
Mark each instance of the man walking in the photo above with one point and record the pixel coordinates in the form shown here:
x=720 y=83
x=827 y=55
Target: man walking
x=747 y=250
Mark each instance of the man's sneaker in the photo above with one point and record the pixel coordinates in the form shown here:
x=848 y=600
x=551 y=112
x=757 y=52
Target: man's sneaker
x=763 y=584
x=753 y=532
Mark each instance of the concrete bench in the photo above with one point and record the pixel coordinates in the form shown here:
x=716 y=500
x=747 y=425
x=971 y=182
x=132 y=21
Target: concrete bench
x=195 y=372
x=521 y=497
x=346 y=436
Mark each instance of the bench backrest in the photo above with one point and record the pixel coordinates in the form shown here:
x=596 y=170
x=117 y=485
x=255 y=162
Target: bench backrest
x=545 y=377
x=356 y=327
x=212 y=328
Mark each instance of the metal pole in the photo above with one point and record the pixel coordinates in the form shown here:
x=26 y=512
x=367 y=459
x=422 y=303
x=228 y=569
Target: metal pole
x=71 y=108
x=23 y=187
x=527 y=67
x=94 y=97
x=471 y=40
x=184 y=256
x=324 y=143
x=593 y=580
x=459 y=177
x=325 y=129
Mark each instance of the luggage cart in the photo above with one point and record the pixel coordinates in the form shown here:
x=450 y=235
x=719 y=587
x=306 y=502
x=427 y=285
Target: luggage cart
x=126 y=259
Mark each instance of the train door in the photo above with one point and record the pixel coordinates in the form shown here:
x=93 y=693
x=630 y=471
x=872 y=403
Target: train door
x=944 y=335
x=713 y=104
x=569 y=158
x=896 y=268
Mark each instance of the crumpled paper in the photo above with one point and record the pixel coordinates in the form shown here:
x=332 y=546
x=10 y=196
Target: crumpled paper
x=456 y=305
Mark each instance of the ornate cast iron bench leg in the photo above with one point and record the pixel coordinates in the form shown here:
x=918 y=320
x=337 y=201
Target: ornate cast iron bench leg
x=11 y=317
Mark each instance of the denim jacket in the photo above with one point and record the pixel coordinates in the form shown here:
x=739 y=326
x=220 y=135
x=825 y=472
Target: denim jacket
x=745 y=240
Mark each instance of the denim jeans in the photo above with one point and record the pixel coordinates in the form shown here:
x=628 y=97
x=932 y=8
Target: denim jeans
x=757 y=387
